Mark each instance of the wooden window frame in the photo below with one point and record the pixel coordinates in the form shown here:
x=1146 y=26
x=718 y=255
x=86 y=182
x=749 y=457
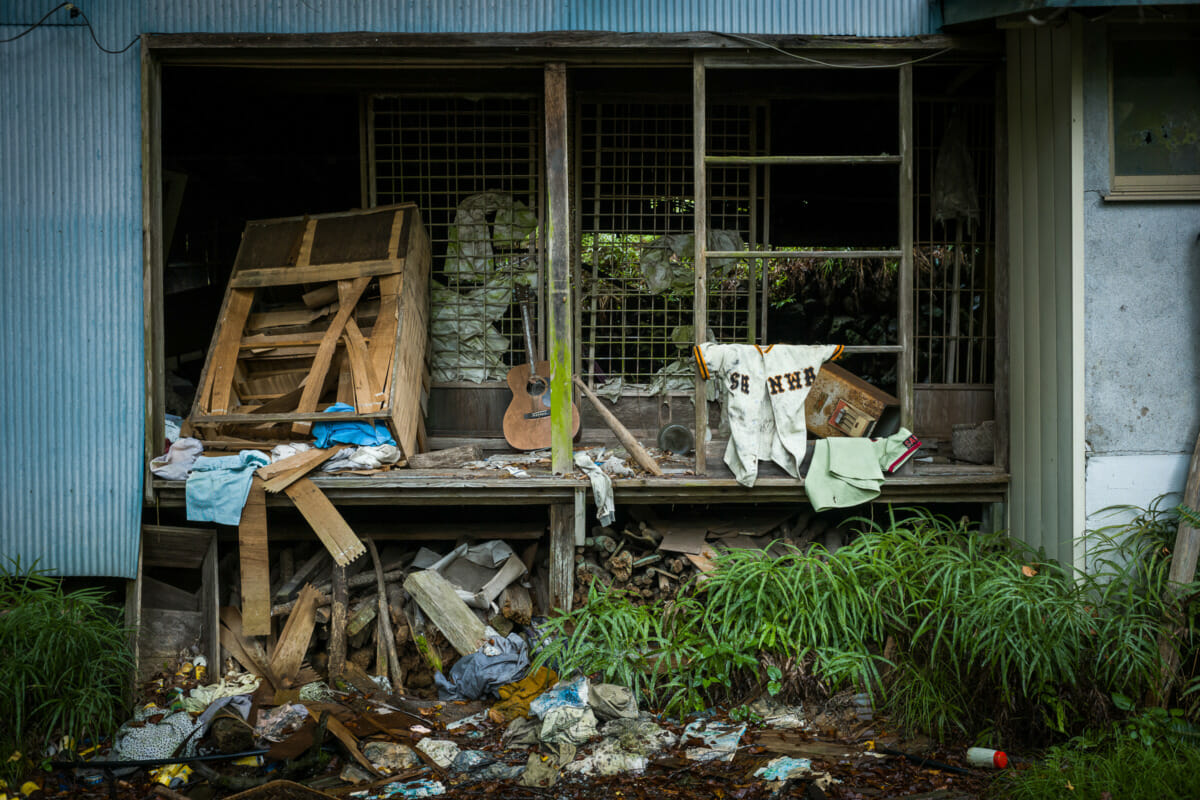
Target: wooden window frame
x=1143 y=187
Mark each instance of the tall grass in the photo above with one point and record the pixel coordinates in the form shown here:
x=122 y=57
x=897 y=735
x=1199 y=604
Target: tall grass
x=64 y=663
x=952 y=630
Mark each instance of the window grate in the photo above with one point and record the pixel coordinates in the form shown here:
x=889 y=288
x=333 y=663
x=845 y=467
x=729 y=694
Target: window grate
x=472 y=165
x=635 y=201
x=954 y=262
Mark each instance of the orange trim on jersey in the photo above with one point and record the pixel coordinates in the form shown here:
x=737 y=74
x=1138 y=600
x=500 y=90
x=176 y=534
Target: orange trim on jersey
x=841 y=348
x=700 y=361
x=764 y=352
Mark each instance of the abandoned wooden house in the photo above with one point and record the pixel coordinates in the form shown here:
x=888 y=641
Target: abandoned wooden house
x=915 y=181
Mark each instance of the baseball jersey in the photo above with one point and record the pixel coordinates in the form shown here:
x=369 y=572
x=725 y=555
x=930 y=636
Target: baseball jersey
x=764 y=390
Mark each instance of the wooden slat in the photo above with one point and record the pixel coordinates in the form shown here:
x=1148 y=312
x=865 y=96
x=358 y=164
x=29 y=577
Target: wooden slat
x=368 y=388
x=337 y=624
x=320 y=365
x=255 y=561
x=223 y=358
x=316 y=457
x=803 y=160
x=906 y=364
x=301 y=574
x=700 y=228
x=382 y=348
x=247 y=651
x=293 y=462
x=326 y=522
x=408 y=356
x=293 y=641
x=451 y=615
x=292 y=276
x=562 y=555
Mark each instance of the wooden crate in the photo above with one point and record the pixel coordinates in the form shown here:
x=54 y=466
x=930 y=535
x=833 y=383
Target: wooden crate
x=843 y=404
x=323 y=308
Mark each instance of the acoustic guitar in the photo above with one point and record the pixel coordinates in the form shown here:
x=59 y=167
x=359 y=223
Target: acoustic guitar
x=527 y=420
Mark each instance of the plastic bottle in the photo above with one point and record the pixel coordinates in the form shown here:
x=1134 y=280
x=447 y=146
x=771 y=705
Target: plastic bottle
x=985 y=757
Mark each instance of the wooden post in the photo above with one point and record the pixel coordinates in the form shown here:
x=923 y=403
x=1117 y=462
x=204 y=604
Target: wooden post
x=1000 y=294
x=559 y=283
x=1183 y=570
x=905 y=367
x=562 y=555
x=153 y=258
x=255 y=564
x=337 y=624
x=700 y=225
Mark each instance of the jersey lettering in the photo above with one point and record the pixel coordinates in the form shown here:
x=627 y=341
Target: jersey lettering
x=745 y=384
x=775 y=384
x=793 y=379
x=810 y=376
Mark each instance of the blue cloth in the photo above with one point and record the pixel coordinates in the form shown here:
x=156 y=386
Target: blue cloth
x=217 y=488
x=349 y=431
x=477 y=675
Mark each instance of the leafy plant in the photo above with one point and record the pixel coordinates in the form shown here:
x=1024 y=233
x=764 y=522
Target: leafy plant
x=64 y=662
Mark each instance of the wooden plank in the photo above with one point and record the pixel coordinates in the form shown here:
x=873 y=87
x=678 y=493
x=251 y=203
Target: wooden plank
x=174 y=546
x=223 y=357
x=407 y=375
x=337 y=624
x=632 y=445
x=293 y=276
x=906 y=364
x=293 y=641
x=307 y=459
x=700 y=228
x=343 y=735
x=1187 y=538
x=244 y=650
x=302 y=573
x=326 y=522
x=301 y=468
x=562 y=555
x=321 y=361
x=287 y=319
x=255 y=564
x=321 y=296
x=560 y=346
x=383 y=344
x=384 y=631
x=452 y=616
x=452 y=457
x=368 y=388
x=209 y=608
x=153 y=257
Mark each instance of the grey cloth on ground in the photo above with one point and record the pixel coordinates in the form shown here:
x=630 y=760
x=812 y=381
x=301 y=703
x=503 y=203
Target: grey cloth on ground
x=567 y=724
x=521 y=732
x=610 y=701
x=601 y=487
x=477 y=675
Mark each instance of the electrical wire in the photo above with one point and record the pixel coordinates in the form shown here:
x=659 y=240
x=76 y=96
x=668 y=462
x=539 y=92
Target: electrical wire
x=75 y=11
x=35 y=25
x=811 y=60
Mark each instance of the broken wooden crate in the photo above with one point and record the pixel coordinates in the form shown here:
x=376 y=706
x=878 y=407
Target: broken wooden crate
x=321 y=308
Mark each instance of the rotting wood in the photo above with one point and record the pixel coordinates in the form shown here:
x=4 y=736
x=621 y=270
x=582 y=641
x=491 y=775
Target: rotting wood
x=307 y=459
x=516 y=604
x=354 y=582
x=635 y=449
x=562 y=555
x=248 y=652
x=363 y=615
x=301 y=574
x=326 y=522
x=302 y=466
x=384 y=628
x=294 y=640
x=324 y=356
x=700 y=231
x=343 y=735
x=1182 y=572
x=451 y=457
x=255 y=566
x=451 y=615
x=558 y=289
x=337 y=624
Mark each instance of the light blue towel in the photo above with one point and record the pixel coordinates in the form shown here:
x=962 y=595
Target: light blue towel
x=349 y=431
x=217 y=488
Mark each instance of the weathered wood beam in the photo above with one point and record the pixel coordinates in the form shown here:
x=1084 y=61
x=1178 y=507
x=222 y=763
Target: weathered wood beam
x=700 y=227
x=558 y=299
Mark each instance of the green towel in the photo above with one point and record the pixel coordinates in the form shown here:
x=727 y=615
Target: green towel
x=849 y=471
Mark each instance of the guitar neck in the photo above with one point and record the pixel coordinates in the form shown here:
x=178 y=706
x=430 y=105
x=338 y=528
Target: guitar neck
x=527 y=322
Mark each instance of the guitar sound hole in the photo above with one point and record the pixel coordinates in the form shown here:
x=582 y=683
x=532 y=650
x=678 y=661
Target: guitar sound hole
x=536 y=386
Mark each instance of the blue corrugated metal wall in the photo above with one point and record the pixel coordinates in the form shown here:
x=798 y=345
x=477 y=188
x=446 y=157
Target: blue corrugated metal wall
x=71 y=380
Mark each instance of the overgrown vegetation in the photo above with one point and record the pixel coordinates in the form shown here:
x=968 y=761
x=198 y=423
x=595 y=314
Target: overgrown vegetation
x=953 y=631
x=64 y=663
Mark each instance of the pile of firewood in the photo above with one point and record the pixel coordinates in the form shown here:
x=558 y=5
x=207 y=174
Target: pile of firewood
x=652 y=558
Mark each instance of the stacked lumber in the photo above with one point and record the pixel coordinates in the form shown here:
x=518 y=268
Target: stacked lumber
x=321 y=309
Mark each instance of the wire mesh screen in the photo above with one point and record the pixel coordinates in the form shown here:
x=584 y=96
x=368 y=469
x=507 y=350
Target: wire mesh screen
x=954 y=263
x=472 y=167
x=636 y=199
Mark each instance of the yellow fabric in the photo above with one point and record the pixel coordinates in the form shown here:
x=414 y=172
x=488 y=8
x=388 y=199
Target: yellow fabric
x=516 y=697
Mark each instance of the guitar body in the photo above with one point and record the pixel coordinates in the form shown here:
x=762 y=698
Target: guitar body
x=527 y=419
